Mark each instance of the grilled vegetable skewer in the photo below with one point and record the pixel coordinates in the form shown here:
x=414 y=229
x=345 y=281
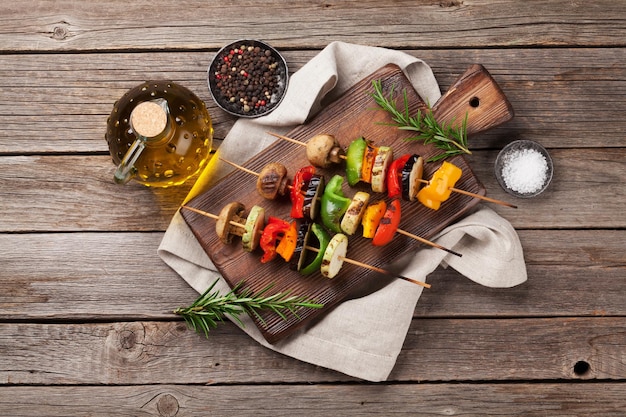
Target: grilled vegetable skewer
x=335 y=207
x=337 y=156
x=333 y=255
x=305 y=191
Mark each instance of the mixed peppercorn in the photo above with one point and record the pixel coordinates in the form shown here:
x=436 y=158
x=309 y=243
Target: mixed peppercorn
x=248 y=79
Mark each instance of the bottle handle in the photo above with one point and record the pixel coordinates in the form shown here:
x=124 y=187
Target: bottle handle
x=126 y=169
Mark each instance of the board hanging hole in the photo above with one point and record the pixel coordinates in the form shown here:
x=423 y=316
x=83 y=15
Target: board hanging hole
x=581 y=368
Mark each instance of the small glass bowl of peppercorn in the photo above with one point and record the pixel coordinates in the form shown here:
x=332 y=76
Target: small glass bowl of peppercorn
x=524 y=168
x=248 y=78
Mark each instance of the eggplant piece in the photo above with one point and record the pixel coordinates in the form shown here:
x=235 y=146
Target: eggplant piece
x=411 y=175
x=299 y=255
x=312 y=196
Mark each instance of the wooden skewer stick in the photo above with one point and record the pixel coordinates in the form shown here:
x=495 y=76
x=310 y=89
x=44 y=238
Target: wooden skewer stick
x=385 y=272
x=249 y=171
x=244 y=169
x=213 y=216
x=427 y=242
x=482 y=197
x=347 y=260
x=456 y=190
x=288 y=139
x=374 y=268
x=420 y=239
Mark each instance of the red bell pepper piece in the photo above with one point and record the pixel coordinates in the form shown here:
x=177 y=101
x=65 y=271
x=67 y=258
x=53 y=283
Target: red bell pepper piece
x=298 y=188
x=388 y=224
x=394 y=176
x=272 y=234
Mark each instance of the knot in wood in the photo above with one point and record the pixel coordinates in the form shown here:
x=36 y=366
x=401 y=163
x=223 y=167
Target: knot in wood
x=128 y=342
x=167 y=405
x=127 y=339
x=453 y=3
x=61 y=32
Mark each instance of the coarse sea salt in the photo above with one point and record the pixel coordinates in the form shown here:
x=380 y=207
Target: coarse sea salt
x=525 y=170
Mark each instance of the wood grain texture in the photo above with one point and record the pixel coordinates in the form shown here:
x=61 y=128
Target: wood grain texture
x=115 y=25
x=84 y=276
x=550 y=91
x=524 y=399
x=36 y=190
x=450 y=350
x=85 y=322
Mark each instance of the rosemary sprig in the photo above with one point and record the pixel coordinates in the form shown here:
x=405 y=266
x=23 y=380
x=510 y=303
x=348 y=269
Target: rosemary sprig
x=451 y=140
x=211 y=308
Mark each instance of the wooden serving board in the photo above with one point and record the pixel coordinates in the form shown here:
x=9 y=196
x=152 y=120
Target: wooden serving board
x=354 y=114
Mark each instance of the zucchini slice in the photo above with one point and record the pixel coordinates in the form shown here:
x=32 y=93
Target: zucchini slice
x=253 y=228
x=334 y=255
x=384 y=157
x=352 y=217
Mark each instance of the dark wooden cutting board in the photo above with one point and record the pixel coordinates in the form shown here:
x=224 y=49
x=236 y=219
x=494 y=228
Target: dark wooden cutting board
x=354 y=114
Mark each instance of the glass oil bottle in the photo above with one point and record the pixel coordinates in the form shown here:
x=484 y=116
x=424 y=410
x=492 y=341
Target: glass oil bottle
x=159 y=134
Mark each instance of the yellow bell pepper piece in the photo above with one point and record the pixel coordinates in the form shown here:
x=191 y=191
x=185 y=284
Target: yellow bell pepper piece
x=371 y=218
x=438 y=189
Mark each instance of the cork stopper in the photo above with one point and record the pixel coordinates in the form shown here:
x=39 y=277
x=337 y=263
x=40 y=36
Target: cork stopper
x=148 y=119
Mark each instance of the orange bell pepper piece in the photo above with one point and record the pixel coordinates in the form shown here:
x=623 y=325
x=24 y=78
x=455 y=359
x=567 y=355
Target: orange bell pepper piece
x=438 y=189
x=287 y=245
x=371 y=218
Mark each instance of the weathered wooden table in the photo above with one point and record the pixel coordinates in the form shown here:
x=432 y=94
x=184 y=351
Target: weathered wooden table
x=85 y=303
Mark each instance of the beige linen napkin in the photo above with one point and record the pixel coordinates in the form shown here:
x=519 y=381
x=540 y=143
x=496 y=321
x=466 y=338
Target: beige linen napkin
x=363 y=336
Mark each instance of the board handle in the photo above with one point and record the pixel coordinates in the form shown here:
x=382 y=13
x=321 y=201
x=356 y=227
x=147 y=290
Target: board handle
x=476 y=94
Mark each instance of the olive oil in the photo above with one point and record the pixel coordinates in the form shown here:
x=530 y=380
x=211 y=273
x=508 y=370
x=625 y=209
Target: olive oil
x=159 y=134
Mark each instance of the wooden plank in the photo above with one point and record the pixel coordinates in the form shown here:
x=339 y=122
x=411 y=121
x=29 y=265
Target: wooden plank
x=550 y=100
x=83 y=276
x=115 y=25
x=71 y=193
x=100 y=273
x=37 y=190
x=134 y=353
x=553 y=399
x=571 y=200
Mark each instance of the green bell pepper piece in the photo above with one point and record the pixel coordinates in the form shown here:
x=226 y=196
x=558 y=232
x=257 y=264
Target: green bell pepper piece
x=354 y=160
x=334 y=204
x=323 y=237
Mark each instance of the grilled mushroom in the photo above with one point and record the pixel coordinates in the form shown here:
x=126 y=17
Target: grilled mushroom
x=224 y=227
x=324 y=150
x=272 y=181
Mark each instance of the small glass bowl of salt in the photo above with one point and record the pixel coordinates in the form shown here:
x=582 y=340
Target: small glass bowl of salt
x=524 y=168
